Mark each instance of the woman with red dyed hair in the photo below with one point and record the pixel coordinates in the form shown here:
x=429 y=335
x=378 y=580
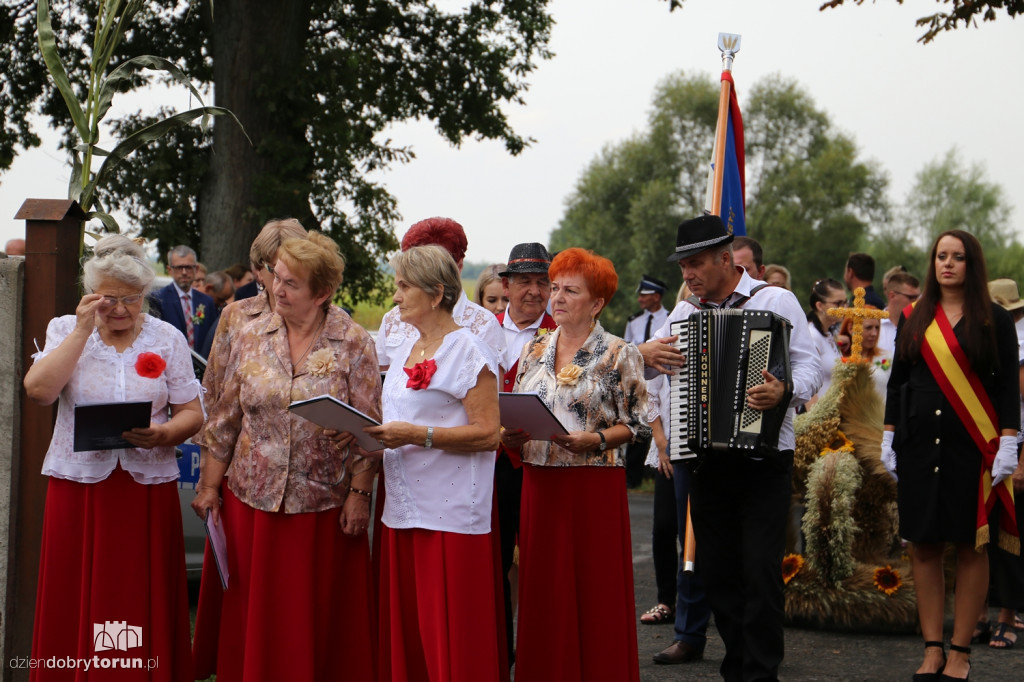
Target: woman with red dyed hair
x=577 y=619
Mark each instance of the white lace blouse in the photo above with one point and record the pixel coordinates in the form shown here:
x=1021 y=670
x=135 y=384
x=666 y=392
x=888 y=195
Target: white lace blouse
x=432 y=488
x=104 y=375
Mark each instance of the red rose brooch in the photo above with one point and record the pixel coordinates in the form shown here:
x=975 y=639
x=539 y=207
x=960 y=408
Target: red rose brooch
x=420 y=374
x=150 y=365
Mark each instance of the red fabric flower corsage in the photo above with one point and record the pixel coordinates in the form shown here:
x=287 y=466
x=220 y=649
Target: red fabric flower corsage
x=420 y=374
x=150 y=365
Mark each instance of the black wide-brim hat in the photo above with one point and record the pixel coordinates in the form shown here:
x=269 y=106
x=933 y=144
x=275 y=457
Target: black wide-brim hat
x=529 y=257
x=699 y=234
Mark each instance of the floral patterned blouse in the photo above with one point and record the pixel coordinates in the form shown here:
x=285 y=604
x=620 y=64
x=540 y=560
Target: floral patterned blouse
x=609 y=390
x=234 y=316
x=104 y=375
x=280 y=461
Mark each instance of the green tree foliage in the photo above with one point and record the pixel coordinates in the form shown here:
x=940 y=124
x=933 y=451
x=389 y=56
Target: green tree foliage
x=951 y=194
x=630 y=199
x=810 y=200
x=315 y=83
x=961 y=13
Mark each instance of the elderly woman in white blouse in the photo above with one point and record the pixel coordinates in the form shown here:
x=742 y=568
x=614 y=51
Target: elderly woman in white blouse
x=112 y=547
x=439 y=591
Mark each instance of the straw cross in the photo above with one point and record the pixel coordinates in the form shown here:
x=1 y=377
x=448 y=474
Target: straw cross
x=858 y=313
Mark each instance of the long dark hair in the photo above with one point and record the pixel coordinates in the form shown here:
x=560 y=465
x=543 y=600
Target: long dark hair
x=819 y=294
x=978 y=337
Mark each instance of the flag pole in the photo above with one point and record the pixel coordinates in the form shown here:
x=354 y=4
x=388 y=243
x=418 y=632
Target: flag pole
x=729 y=44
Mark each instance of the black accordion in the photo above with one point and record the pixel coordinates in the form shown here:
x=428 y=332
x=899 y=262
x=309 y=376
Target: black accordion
x=725 y=351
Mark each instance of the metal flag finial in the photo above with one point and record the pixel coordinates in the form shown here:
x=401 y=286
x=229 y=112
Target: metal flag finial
x=729 y=44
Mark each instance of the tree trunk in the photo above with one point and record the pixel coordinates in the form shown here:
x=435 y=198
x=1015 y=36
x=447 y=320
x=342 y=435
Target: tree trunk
x=258 y=52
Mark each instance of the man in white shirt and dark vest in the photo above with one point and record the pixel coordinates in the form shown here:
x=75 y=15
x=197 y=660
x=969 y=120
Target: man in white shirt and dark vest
x=739 y=501
x=527 y=287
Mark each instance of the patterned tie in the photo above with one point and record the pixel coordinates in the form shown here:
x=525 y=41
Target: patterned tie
x=186 y=306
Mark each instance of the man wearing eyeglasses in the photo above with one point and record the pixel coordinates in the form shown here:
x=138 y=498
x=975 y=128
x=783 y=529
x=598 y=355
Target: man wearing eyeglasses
x=192 y=312
x=901 y=289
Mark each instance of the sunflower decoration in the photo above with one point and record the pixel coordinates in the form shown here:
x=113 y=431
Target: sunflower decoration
x=887 y=579
x=791 y=565
x=840 y=443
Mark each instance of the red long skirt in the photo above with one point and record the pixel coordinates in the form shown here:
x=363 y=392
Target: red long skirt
x=577 y=620
x=439 y=615
x=112 y=573
x=297 y=605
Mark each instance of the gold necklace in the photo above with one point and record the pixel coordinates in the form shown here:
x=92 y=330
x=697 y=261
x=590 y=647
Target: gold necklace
x=312 y=340
x=424 y=344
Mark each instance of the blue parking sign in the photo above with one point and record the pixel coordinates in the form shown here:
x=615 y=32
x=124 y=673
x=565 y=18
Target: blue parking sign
x=188 y=465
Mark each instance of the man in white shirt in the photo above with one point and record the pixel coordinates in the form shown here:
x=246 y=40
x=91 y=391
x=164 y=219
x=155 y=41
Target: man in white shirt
x=901 y=289
x=527 y=287
x=747 y=254
x=652 y=313
x=739 y=501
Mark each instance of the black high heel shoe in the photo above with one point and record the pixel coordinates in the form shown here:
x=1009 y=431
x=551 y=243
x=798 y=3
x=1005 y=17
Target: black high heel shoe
x=937 y=675
x=964 y=650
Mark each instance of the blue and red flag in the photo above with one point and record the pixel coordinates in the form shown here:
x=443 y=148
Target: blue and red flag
x=733 y=209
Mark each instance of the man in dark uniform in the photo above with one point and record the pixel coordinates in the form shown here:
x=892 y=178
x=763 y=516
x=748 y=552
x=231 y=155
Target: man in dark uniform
x=739 y=501
x=651 y=316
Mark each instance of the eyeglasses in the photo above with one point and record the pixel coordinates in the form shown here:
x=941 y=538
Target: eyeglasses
x=182 y=268
x=836 y=304
x=912 y=297
x=111 y=301
x=269 y=267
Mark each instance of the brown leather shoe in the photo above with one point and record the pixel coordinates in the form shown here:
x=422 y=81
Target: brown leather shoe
x=679 y=652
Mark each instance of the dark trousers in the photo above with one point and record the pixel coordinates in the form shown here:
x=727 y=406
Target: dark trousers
x=693 y=610
x=663 y=538
x=636 y=455
x=740 y=508
x=508 y=488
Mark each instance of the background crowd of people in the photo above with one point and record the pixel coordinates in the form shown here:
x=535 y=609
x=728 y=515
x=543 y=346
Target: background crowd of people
x=463 y=503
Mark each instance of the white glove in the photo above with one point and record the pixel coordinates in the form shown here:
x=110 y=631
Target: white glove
x=888 y=455
x=1006 y=459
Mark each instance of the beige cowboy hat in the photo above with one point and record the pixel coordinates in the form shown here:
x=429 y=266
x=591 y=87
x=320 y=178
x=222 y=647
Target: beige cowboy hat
x=1004 y=292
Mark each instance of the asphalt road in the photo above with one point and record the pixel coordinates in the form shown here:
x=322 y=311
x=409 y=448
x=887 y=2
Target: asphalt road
x=810 y=654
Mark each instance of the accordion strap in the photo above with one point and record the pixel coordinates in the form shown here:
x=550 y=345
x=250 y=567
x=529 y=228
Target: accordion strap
x=738 y=303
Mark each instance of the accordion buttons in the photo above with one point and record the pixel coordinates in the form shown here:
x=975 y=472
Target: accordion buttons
x=936 y=441
x=936 y=469
x=938 y=413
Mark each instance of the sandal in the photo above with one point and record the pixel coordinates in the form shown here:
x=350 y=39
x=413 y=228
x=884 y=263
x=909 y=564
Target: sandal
x=999 y=640
x=982 y=632
x=658 y=615
x=1018 y=624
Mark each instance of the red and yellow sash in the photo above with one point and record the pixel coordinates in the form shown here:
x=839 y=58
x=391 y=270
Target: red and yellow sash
x=960 y=384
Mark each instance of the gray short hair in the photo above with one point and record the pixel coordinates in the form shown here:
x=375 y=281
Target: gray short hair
x=118 y=257
x=182 y=251
x=429 y=267
x=218 y=279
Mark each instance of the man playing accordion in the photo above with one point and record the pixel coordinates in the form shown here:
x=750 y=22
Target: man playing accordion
x=740 y=498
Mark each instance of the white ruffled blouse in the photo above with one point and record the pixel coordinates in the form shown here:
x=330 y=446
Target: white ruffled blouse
x=105 y=375
x=432 y=488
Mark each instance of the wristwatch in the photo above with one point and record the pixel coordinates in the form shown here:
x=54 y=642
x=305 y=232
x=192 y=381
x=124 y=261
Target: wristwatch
x=429 y=442
x=604 y=443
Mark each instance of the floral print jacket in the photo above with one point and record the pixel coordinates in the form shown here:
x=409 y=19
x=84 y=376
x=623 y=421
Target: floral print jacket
x=606 y=388
x=280 y=461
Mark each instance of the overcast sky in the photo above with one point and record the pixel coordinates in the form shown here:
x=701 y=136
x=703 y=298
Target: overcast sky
x=904 y=103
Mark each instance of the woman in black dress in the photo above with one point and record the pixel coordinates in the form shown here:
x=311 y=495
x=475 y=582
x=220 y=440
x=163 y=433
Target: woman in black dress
x=951 y=419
